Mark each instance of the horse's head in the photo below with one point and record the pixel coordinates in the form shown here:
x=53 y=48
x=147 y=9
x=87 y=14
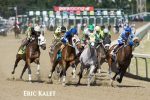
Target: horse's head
x=76 y=42
x=42 y=41
x=107 y=41
x=136 y=42
x=92 y=45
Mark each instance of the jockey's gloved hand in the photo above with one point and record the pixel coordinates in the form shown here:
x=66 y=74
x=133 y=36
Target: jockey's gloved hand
x=131 y=43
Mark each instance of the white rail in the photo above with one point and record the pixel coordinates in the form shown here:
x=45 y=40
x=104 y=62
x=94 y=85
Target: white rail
x=144 y=57
x=141 y=55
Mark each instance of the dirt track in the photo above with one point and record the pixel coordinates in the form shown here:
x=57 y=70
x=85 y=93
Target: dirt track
x=130 y=89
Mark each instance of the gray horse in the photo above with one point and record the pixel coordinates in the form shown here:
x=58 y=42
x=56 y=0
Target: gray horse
x=88 y=59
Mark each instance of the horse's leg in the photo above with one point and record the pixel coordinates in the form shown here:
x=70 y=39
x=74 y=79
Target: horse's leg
x=109 y=71
x=52 y=70
x=29 y=69
x=80 y=74
x=92 y=67
x=116 y=74
x=38 y=68
x=74 y=70
x=18 y=58
x=122 y=72
x=99 y=65
x=65 y=67
x=60 y=75
x=24 y=69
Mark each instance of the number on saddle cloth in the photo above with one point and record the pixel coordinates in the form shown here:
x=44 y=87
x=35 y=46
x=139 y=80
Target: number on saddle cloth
x=22 y=50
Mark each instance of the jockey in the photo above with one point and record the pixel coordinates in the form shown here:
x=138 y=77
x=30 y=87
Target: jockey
x=30 y=35
x=67 y=36
x=90 y=29
x=17 y=25
x=102 y=31
x=124 y=36
x=106 y=32
x=87 y=34
x=97 y=34
x=28 y=31
x=29 y=38
x=59 y=32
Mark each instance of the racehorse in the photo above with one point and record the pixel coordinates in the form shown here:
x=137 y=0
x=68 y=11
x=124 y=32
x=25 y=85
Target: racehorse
x=17 y=31
x=32 y=54
x=102 y=51
x=123 y=59
x=68 y=58
x=88 y=59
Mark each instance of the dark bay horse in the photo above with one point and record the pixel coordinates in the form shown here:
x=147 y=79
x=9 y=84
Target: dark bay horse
x=68 y=58
x=17 y=31
x=102 y=51
x=32 y=54
x=123 y=59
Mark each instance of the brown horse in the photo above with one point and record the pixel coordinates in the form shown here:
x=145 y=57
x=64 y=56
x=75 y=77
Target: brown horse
x=17 y=31
x=68 y=59
x=32 y=54
x=123 y=59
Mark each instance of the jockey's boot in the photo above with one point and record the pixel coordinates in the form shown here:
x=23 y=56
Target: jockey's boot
x=59 y=53
x=62 y=46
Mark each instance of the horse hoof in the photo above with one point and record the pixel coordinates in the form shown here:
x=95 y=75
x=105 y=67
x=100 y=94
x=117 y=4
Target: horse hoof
x=50 y=82
x=12 y=72
x=49 y=76
x=118 y=80
x=94 y=83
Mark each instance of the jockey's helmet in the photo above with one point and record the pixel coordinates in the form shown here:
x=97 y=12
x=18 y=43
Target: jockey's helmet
x=37 y=28
x=128 y=29
x=63 y=29
x=97 y=28
x=91 y=27
x=106 y=30
x=74 y=30
x=84 y=25
x=58 y=30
